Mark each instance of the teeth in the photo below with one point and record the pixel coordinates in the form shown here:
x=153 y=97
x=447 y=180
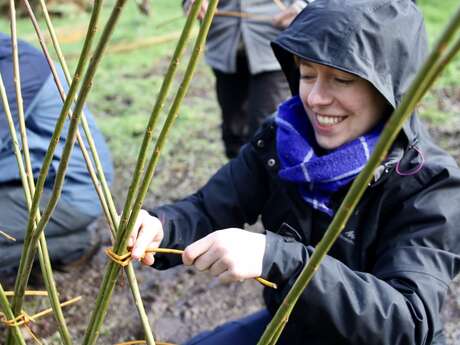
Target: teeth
x=329 y=120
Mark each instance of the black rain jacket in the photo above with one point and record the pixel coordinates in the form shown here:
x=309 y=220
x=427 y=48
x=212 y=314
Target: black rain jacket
x=385 y=279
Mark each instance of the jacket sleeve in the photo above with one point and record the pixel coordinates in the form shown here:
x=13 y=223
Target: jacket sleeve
x=399 y=300
x=225 y=201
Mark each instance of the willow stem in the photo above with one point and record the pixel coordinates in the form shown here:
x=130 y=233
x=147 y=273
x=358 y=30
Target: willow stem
x=110 y=205
x=158 y=107
x=172 y=116
x=421 y=84
x=15 y=330
x=31 y=238
x=111 y=274
x=104 y=195
x=28 y=182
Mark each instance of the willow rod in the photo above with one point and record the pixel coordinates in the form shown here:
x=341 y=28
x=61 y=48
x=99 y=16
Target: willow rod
x=28 y=182
x=172 y=116
x=43 y=253
x=110 y=276
x=157 y=109
x=15 y=330
x=28 y=251
x=421 y=84
x=71 y=135
x=84 y=122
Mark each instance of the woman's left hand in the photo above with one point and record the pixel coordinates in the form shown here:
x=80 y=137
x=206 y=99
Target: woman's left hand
x=283 y=19
x=230 y=254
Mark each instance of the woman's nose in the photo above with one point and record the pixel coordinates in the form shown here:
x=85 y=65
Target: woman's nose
x=319 y=95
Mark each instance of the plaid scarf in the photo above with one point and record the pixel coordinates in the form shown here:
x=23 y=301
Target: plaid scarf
x=317 y=177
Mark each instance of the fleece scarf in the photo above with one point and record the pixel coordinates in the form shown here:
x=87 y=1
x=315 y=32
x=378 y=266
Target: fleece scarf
x=317 y=176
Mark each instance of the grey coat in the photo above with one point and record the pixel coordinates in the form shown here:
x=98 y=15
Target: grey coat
x=226 y=33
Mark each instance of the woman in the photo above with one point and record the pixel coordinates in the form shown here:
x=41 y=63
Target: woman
x=385 y=278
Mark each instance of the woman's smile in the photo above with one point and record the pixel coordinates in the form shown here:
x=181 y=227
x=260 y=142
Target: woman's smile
x=328 y=121
x=341 y=106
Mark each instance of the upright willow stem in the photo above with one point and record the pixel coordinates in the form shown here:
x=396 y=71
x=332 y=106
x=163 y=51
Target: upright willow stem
x=421 y=84
x=5 y=306
x=159 y=104
x=28 y=251
x=113 y=269
x=104 y=195
x=28 y=182
x=71 y=135
x=81 y=143
x=172 y=116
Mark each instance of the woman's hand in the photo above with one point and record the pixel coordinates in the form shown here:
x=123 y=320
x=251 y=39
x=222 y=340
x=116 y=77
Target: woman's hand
x=203 y=8
x=283 y=19
x=147 y=234
x=230 y=254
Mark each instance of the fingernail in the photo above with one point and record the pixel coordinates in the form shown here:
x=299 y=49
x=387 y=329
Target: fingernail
x=130 y=242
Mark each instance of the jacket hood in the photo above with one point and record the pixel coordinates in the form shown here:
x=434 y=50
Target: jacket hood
x=382 y=41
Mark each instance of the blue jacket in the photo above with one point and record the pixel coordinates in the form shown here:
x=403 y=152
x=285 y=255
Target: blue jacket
x=42 y=106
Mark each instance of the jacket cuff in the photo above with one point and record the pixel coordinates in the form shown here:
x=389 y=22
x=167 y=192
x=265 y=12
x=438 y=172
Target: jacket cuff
x=284 y=257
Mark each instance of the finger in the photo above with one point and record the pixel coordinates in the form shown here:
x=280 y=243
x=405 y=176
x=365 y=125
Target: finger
x=194 y=250
x=135 y=231
x=218 y=268
x=201 y=13
x=144 y=239
x=206 y=260
x=276 y=21
x=148 y=259
x=229 y=277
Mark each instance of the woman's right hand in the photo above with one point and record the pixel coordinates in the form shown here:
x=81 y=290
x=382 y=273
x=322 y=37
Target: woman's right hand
x=147 y=234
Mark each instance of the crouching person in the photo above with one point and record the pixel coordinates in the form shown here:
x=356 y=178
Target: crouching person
x=385 y=279
x=67 y=233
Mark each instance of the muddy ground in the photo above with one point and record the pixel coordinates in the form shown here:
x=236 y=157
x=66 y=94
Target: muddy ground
x=182 y=302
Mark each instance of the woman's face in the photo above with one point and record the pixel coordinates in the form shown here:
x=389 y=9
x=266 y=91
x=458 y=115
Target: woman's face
x=341 y=106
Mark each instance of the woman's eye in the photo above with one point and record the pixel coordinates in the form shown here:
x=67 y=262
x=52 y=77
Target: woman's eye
x=344 y=81
x=307 y=77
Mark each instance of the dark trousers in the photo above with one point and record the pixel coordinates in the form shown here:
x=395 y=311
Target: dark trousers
x=66 y=233
x=245 y=101
x=245 y=331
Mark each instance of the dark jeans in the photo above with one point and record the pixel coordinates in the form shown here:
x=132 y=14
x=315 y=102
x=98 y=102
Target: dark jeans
x=66 y=233
x=245 y=331
x=245 y=101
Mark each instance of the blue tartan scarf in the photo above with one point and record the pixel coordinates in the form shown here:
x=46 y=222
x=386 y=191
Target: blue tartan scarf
x=317 y=177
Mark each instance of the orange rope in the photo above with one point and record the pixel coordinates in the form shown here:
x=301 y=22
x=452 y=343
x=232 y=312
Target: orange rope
x=24 y=319
x=28 y=293
x=125 y=259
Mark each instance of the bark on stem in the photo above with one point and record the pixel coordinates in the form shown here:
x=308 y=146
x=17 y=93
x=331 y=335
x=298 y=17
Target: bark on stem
x=28 y=252
x=15 y=330
x=111 y=274
x=28 y=183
